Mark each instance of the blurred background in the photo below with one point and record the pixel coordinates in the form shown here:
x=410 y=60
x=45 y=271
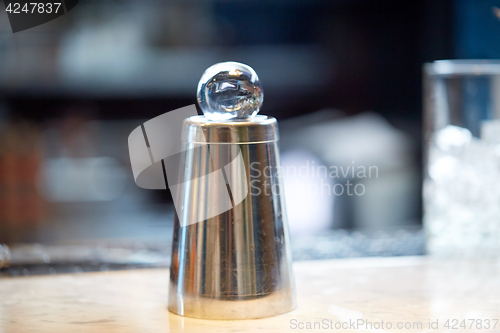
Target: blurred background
x=343 y=77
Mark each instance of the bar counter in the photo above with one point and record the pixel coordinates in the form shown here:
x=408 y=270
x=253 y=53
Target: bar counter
x=397 y=294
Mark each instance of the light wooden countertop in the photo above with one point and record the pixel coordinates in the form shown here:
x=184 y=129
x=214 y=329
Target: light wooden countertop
x=397 y=290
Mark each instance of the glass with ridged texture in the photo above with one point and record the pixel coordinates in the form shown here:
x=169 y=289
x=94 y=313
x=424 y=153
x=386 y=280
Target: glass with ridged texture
x=462 y=134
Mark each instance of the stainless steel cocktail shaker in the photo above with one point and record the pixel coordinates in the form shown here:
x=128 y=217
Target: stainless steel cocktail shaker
x=231 y=257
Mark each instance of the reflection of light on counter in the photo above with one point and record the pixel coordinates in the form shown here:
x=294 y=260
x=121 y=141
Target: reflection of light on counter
x=82 y=179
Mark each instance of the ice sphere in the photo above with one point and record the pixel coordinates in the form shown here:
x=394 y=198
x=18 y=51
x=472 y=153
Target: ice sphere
x=230 y=90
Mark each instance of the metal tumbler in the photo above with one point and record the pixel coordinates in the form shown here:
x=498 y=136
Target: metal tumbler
x=231 y=257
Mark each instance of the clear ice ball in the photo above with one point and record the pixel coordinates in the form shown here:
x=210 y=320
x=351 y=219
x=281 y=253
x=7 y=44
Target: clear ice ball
x=230 y=90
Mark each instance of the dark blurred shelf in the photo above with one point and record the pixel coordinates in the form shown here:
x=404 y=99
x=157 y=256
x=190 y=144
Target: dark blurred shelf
x=104 y=255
